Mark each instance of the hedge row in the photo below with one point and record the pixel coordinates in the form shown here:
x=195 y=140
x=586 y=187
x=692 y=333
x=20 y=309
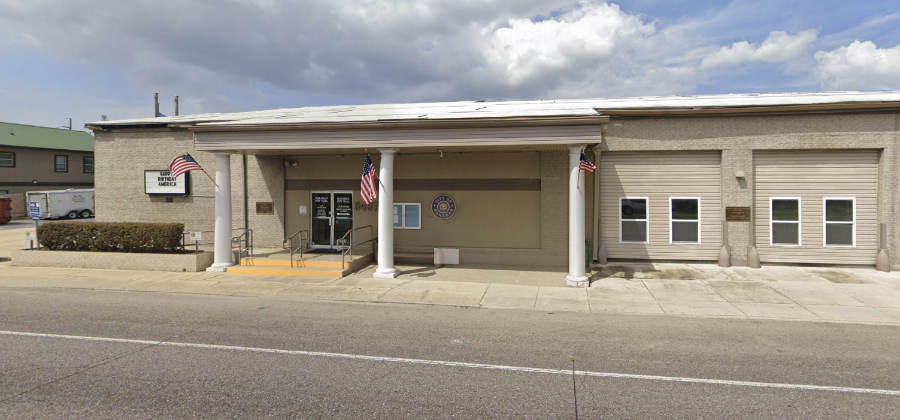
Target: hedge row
x=112 y=237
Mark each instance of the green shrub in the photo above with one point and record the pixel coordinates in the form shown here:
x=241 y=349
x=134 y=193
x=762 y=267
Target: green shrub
x=112 y=237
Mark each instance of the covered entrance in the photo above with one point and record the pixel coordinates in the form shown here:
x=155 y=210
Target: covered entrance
x=331 y=218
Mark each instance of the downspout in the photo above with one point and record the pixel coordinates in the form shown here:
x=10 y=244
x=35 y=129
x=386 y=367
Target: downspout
x=599 y=246
x=284 y=231
x=246 y=199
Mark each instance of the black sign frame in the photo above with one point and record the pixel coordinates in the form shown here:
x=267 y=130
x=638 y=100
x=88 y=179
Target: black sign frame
x=187 y=184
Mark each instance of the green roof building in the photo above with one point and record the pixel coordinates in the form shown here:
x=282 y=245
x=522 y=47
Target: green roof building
x=43 y=158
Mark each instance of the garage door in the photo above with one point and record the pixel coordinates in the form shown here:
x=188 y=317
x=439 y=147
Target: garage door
x=661 y=205
x=816 y=206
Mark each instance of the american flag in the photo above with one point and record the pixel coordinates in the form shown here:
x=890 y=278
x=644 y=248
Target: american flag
x=182 y=164
x=585 y=165
x=367 y=187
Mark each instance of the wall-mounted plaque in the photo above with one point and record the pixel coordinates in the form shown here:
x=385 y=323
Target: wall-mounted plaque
x=162 y=183
x=265 y=207
x=737 y=214
x=443 y=206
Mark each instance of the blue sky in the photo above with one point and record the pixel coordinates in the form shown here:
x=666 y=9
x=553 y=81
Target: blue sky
x=81 y=59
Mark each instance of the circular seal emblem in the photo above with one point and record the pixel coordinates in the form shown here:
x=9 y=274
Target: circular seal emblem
x=443 y=206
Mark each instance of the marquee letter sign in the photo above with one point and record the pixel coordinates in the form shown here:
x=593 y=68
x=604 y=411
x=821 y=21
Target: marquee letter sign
x=159 y=182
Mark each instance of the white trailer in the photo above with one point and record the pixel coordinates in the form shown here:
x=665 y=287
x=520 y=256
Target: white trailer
x=69 y=204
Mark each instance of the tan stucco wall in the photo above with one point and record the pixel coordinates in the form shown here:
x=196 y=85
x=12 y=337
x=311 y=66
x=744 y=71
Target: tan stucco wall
x=494 y=226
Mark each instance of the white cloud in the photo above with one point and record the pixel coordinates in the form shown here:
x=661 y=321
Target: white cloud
x=226 y=55
x=778 y=47
x=860 y=65
x=586 y=35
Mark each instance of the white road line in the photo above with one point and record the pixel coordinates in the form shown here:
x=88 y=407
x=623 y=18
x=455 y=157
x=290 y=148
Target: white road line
x=520 y=369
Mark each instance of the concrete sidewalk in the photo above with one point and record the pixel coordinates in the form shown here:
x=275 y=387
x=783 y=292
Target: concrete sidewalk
x=783 y=293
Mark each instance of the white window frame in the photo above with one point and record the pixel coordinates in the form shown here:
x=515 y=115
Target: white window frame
x=646 y=220
x=699 y=224
x=799 y=222
x=825 y=222
x=403 y=215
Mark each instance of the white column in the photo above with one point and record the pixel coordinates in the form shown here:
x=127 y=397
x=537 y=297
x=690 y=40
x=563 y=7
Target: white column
x=386 y=216
x=223 y=256
x=576 y=277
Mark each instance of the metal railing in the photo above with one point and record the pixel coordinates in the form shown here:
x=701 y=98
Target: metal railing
x=346 y=244
x=244 y=242
x=298 y=236
x=185 y=242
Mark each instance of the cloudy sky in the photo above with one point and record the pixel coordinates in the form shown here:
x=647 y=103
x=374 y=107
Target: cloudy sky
x=81 y=59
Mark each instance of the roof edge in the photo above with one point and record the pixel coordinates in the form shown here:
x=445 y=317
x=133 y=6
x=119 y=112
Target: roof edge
x=853 y=106
x=387 y=124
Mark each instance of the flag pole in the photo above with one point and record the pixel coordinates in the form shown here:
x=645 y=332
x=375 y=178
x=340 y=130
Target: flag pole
x=210 y=178
x=579 y=167
x=205 y=173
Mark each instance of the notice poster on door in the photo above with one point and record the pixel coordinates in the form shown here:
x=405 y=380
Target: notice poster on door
x=343 y=207
x=321 y=203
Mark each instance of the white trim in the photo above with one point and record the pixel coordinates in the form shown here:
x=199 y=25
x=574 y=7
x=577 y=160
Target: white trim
x=799 y=222
x=699 y=217
x=403 y=216
x=825 y=222
x=646 y=220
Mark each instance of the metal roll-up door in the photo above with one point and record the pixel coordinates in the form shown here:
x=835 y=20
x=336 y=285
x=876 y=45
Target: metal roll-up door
x=659 y=176
x=813 y=176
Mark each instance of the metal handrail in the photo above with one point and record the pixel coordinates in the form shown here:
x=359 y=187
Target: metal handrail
x=185 y=234
x=297 y=235
x=348 y=237
x=244 y=241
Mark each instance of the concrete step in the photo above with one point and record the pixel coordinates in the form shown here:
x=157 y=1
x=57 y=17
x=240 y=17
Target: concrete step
x=265 y=262
x=285 y=271
x=279 y=264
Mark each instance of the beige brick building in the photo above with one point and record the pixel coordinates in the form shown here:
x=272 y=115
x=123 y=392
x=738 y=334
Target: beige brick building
x=738 y=179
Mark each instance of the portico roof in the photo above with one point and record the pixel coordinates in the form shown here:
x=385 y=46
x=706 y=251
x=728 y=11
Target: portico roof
x=472 y=111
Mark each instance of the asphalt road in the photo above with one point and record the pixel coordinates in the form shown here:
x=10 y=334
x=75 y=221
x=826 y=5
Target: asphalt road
x=53 y=377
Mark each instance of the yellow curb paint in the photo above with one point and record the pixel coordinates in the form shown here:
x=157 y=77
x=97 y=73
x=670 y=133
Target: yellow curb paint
x=297 y=264
x=277 y=272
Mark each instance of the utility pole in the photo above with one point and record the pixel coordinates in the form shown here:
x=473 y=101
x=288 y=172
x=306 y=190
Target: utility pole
x=176 y=105
x=156 y=104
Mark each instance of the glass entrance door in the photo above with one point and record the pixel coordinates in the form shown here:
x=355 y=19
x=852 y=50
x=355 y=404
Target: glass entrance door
x=332 y=217
x=320 y=227
x=343 y=217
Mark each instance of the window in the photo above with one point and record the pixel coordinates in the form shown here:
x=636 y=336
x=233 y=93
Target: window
x=407 y=216
x=87 y=164
x=684 y=213
x=61 y=163
x=784 y=221
x=840 y=221
x=7 y=159
x=633 y=219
